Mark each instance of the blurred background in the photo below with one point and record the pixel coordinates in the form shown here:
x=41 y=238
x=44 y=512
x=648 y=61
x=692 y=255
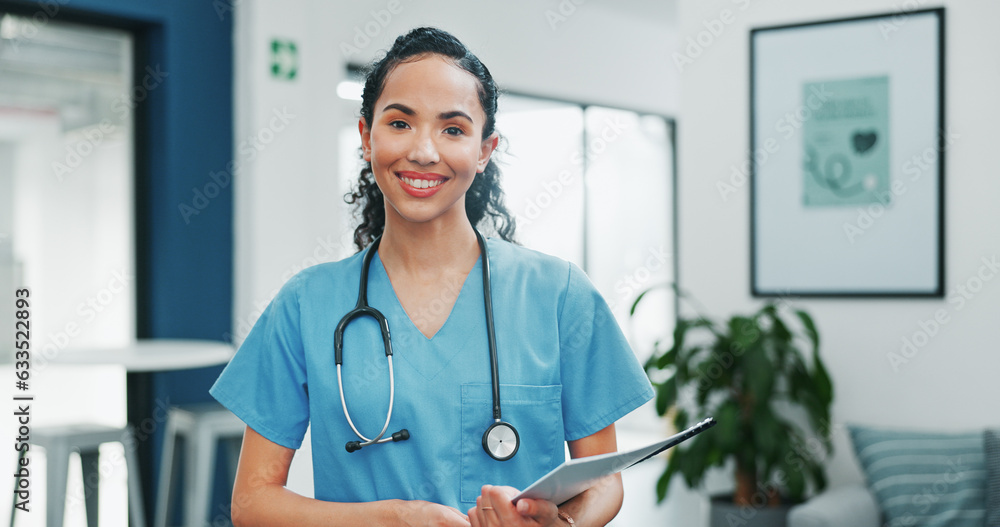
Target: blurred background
x=166 y=167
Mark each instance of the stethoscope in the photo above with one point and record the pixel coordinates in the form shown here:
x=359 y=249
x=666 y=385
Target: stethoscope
x=500 y=440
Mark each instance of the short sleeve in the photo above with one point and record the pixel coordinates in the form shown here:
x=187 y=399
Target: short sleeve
x=265 y=382
x=602 y=379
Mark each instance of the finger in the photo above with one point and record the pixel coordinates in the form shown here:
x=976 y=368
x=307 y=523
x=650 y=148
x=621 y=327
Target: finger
x=485 y=499
x=508 y=492
x=527 y=507
x=485 y=511
x=541 y=511
x=505 y=510
x=459 y=513
x=474 y=518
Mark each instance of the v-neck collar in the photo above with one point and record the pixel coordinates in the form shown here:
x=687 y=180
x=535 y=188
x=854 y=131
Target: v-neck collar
x=431 y=356
x=397 y=306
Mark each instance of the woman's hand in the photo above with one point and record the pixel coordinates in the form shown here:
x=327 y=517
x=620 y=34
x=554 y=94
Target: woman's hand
x=427 y=514
x=494 y=508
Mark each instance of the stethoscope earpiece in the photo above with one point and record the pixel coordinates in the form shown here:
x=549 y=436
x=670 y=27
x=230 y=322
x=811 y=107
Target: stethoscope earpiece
x=500 y=440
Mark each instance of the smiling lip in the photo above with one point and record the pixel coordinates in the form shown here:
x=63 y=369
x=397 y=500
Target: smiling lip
x=420 y=184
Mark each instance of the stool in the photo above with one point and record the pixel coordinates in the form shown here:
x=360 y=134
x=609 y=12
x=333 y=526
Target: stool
x=202 y=427
x=59 y=442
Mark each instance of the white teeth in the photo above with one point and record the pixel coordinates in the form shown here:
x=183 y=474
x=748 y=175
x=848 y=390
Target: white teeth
x=422 y=183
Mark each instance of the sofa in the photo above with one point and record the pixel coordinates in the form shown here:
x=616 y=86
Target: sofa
x=914 y=479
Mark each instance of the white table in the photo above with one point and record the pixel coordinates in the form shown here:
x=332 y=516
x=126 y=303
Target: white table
x=141 y=359
x=152 y=355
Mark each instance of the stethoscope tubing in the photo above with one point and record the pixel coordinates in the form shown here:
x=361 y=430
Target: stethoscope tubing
x=490 y=331
x=498 y=432
x=388 y=417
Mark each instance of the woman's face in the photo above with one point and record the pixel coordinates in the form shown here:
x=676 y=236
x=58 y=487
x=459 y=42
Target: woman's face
x=425 y=142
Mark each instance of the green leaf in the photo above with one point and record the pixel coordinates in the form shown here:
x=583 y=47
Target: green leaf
x=727 y=432
x=745 y=333
x=767 y=436
x=663 y=484
x=779 y=330
x=818 y=476
x=666 y=395
x=694 y=462
x=810 y=328
x=635 y=303
x=822 y=382
x=667 y=359
x=795 y=481
x=681 y=419
x=759 y=375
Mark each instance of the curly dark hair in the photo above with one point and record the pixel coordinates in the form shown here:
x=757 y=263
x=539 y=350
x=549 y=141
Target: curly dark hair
x=485 y=199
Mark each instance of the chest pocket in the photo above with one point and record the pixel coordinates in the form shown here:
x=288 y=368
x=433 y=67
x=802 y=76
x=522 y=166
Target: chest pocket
x=536 y=413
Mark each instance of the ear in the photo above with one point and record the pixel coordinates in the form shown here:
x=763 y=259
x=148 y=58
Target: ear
x=486 y=150
x=366 y=139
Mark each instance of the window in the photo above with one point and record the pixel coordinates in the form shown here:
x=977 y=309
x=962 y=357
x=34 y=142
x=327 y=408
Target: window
x=594 y=185
x=66 y=227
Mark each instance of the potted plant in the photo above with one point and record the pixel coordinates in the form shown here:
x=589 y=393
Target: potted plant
x=763 y=380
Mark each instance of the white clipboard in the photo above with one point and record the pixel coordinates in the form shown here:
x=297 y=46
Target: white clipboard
x=577 y=475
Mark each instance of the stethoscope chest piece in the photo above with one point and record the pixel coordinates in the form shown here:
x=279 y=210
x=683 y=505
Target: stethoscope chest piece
x=501 y=441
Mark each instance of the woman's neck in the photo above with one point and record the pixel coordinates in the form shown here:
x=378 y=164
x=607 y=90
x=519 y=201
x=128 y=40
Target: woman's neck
x=428 y=248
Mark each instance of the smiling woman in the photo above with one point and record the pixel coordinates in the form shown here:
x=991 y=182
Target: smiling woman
x=477 y=324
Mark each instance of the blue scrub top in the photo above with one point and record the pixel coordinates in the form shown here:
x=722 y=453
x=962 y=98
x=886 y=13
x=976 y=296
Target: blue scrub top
x=566 y=372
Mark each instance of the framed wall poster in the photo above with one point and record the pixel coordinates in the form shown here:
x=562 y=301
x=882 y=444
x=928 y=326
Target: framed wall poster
x=847 y=145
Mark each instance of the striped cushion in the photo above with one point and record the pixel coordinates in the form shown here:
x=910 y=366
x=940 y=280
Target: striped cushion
x=924 y=479
x=992 y=447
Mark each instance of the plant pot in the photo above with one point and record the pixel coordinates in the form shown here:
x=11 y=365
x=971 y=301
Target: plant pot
x=725 y=513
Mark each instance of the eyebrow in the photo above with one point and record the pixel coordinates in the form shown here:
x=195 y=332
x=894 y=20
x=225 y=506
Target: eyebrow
x=444 y=116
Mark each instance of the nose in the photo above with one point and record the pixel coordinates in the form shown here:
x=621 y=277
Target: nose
x=423 y=151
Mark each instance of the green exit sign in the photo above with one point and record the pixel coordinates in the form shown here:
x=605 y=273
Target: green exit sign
x=284 y=59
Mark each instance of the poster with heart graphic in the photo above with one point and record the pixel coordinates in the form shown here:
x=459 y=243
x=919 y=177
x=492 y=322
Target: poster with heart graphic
x=846 y=143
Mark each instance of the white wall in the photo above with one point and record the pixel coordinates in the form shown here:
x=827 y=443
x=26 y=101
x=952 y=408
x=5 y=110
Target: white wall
x=950 y=384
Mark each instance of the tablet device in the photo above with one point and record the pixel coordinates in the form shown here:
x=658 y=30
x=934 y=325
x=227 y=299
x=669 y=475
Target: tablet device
x=576 y=475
